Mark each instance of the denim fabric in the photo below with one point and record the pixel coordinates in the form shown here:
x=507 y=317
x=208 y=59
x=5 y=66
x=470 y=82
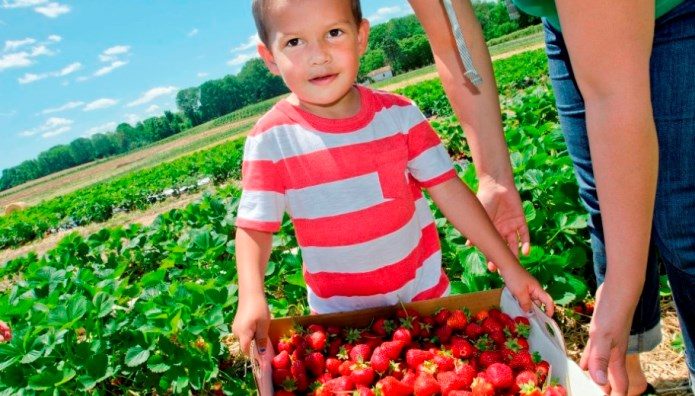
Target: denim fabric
x=673 y=231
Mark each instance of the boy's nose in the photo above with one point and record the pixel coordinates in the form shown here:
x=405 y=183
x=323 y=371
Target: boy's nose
x=320 y=54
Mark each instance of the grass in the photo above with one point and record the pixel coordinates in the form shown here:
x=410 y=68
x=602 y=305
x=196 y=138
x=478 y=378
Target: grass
x=517 y=44
x=405 y=76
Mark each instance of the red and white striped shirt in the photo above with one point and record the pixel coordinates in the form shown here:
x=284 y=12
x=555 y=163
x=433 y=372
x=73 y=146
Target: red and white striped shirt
x=352 y=188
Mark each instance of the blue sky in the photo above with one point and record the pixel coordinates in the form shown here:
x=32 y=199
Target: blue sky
x=74 y=68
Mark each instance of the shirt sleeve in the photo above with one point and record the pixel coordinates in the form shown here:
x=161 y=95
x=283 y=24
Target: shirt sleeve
x=428 y=161
x=262 y=203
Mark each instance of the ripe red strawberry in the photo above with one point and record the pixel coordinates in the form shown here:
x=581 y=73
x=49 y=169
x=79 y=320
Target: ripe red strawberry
x=380 y=360
x=284 y=344
x=396 y=371
x=333 y=366
x=589 y=307
x=426 y=326
x=444 y=360
x=362 y=374
x=526 y=377
x=491 y=325
x=415 y=357
x=281 y=360
x=316 y=363
x=555 y=390
x=315 y=327
x=481 y=315
x=530 y=390
x=460 y=393
x=333 y=330
x=458 y=320
x=403 y=334
x=461 y=348
x=542 y=368
x=480 y=387
x=345 y=368
x=498 y=337
x=499 y=375
x=340 y=384
x=280 y=376
x=522 y=360
x=441 y=316
x=363 y=391
x=409 y=378
x=393 y=349
x=450 y=381
x=426 y=385
x=473 y=331
x=443 y=333
x=283 y=392
x=360 y=353
x=406 y=313
x=317 y=340
x=389 y=386
x=298 y=371
x=334 y=346
x=523 y=343
x=465 y=374
x=489 y=357
x=383 y=327
x=323 y=378
x=427 y=367
x=496 y=313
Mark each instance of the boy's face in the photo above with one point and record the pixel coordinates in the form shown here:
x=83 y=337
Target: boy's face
x=315 y=45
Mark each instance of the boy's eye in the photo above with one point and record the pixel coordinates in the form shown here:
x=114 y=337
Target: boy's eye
x=335 y=32
x=293 y=42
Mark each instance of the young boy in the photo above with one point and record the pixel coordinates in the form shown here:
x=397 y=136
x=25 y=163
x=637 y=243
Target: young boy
x=348 y=164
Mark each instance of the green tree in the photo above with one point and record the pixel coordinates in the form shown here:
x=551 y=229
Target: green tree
x=104 y=145
x=371 y=60
x=415 y=52
x=188 y=102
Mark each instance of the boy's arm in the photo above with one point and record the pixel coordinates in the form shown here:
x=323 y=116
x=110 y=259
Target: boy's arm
x=460 y=206
x=252 y=319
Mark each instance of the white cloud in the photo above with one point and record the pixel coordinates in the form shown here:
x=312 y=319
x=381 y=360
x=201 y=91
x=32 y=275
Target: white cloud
x=54 y=126
x=69 y=69
x=107 y=127
x=241 y=59
x=41 y=50
x=251 y=42
x=67 y=106
x=202 y=74
x=31 y=77
x=153 y=108
x=193 y=32
x=132 y=119
x=99 y=104
x=55 y=38
x=53 y=10
x=152 y=94
x=22 y=3
x=108 y=69
x=386 y=13
x=17 y=59
x=11 y=45
x=111 y=54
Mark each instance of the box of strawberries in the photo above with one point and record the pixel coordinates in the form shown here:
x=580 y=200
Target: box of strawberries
x=478 y=344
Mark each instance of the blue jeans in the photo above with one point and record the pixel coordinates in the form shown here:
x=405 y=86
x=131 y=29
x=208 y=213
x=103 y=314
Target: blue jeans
x=673 y=230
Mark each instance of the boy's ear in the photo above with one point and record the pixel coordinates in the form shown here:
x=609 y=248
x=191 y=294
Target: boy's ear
x=268 y=59
x=363 y=36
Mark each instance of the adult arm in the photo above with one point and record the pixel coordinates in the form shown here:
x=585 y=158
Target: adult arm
x=610 y=45
x=478 y=110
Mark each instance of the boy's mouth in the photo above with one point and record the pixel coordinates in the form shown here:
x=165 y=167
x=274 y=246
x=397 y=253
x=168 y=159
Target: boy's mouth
x=324 y=79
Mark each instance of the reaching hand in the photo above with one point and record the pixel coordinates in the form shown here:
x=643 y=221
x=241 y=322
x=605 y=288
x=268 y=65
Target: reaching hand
x=604 y=355
x=527 y=289
x=251 y=323
x=503 y=206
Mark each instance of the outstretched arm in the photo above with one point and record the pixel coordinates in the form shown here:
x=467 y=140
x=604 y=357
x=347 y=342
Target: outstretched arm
x=610 y=46
x=478 y=110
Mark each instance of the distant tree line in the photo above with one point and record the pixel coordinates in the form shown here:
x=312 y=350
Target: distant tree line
x=400 y=43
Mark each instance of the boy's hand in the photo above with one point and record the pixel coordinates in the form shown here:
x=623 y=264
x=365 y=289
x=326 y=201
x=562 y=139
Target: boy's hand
x=251 y=322
x=527 y=289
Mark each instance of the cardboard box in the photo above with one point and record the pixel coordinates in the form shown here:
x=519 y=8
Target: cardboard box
x=545 y=338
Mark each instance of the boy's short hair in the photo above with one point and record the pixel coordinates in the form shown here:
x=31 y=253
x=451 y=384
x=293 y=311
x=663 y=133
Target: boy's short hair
x=260 y=8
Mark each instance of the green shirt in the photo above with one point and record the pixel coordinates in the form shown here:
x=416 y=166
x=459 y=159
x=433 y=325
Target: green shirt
x=546 y=8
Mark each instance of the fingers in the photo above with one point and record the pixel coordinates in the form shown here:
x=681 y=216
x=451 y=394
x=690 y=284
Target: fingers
x=491 y=266
x=245 y=338
x=261 y=335
x=595 y=359
x=617 y=373
x=513 y=243
x=524 y=300
x=525 y=239
x=544 y=298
